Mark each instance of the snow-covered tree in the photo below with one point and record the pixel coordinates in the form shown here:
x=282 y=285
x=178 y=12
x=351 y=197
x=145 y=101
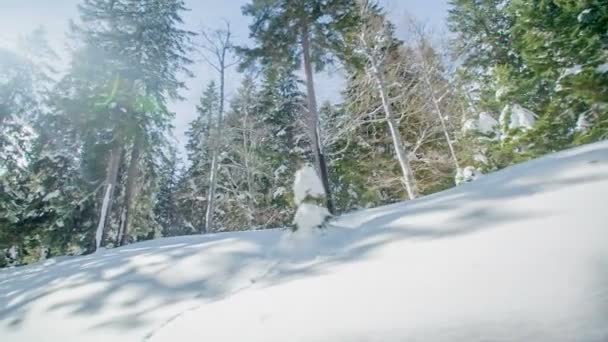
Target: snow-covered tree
x=194 y=183
x=309 y=196
x=132 y=52
x=302 y=33
x=217 y=46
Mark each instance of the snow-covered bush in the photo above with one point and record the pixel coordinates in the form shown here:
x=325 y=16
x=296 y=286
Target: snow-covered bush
x=517 y=117
x=467 y=175
x=309 y=196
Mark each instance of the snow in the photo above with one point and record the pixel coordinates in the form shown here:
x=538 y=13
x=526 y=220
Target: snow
x=104 y=210
x=518 y=255
x=467 y=175
x=280 y=171
x=582 y=125
x=309 y=215
x=13 y=253
x=307 y=183
x=518 y=117
x=501 y=93
x=52 y=195
x=575 y=70
x=487 y=124
x=480 y=158
x=522 y=118
x=280 y=191
x=602 y=68
x=484 y=124
x=470 y=125
x=581 y=16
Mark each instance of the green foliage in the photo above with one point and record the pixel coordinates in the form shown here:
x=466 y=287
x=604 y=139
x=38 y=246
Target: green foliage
x=278 y=26
x=556 y=50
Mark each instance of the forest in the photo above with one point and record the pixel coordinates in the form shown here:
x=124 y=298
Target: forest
x=88 y=159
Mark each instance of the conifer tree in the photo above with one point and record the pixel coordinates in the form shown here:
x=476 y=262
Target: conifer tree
x=307 y=33
x=194 y=183
x=145 y=51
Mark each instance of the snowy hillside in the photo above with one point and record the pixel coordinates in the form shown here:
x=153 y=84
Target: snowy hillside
x=520 y=255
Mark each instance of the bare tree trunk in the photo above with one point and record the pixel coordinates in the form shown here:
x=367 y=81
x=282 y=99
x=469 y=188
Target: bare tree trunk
x=247 y=147
x=400 y=150
x=111 y=180
x=404 y=162
x=439 y=112
x=313 y=119
x=211 y=194
x=216 y=148
x=132 y=175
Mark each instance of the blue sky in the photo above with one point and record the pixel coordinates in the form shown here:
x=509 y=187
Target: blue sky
x=22 y=16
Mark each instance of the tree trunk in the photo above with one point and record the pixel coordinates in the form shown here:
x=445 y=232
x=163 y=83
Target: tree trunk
x=215 y=154
x=313 y=119
x=132 y=175
x=111 y=180
x=444 y=125
x=404 y=162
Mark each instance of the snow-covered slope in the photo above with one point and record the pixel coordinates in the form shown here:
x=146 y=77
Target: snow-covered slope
x=519 y=255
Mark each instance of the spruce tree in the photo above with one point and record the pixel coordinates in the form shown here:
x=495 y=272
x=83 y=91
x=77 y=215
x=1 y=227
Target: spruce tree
x=280 y=102
x=565 y=45
x=144 y=52
x=27 y=216
x=307 y=33
x=194 y=183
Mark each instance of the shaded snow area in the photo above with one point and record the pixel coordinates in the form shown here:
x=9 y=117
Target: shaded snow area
x=518 y=255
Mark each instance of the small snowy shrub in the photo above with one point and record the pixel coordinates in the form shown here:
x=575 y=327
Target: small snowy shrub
x=309 y=196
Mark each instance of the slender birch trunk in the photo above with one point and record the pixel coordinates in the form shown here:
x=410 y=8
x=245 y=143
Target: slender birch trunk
x=219 y=46
x=110 y=182
x=377 y=74
x=132 y=174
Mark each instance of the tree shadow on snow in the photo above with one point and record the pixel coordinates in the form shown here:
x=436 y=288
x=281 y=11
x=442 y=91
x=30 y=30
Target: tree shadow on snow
x=136 y=272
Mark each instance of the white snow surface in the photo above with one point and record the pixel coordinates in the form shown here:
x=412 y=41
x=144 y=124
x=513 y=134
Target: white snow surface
x=487 y=124
x=307 y=183
x=518 y=255
x=602 y=68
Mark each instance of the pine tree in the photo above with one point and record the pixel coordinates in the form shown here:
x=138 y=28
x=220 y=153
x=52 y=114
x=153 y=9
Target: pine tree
x=143 y=52
x=549 y=63
x=308 y=33
x=219 y=46
x=483 y=41
x=283 y=149
x=564 y=44
x=167 y=209
x=194 y=183
x=24 y=95
x=240 y=184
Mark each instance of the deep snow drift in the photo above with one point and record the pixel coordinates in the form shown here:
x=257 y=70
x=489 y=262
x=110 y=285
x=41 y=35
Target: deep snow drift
x=519 y=255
